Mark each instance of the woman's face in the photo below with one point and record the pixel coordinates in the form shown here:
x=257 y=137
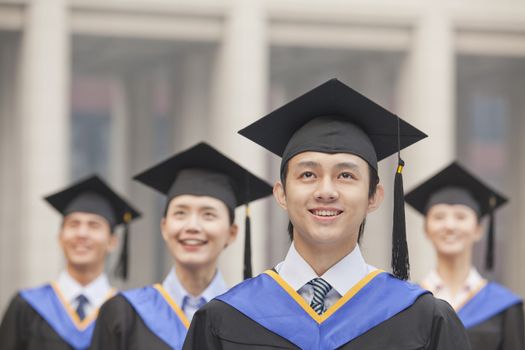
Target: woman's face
x=452 y=229
x=196 y=230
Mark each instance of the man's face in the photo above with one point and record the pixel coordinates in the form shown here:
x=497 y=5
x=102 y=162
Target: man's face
x=196 y=229
x=326 y=197
x=86 y=239
x=452 y=229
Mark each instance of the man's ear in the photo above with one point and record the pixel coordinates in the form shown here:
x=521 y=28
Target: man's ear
x=280 y=195
x=113 y=242
x=425 y=227
x=61 y=236
x=375 y=201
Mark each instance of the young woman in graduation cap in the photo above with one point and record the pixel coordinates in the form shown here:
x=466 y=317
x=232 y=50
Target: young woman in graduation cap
x=61 y=314
x=203 y=187
x=324 y=295
x=453 y=202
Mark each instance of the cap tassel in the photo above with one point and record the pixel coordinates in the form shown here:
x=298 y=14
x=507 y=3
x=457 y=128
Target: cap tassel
x=247 y=245
x=122 y=267
x=400 y=261
x=489 y=255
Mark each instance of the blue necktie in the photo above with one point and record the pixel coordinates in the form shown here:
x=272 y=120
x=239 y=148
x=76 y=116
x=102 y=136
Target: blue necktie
x=321 y=288
x=194 y=303
x=82 y=302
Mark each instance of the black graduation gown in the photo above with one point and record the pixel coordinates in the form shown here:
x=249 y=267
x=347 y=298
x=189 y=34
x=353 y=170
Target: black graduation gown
x=23 y=328
x=503 y=331
x=427 y=323
x=140 y=319
x=119 y=327
x=493 y=317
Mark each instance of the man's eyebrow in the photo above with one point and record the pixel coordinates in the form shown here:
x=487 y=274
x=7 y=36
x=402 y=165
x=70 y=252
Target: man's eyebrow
x=207 y=207
x=308 y=164
x=348 y=165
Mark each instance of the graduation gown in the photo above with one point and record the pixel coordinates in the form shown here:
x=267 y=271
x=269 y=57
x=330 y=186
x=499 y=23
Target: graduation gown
x=493 y=318
x=40 y=319
x=379 y=312
x=144 y=318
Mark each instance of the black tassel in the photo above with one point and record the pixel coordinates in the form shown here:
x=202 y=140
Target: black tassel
x=489 y=255
x=400 y=261
x=122 y=266
x=247 y=245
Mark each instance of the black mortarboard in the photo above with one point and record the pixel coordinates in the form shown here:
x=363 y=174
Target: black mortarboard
x=334 y=118
x=455 y=185
x=92 y=195
x=203 y=171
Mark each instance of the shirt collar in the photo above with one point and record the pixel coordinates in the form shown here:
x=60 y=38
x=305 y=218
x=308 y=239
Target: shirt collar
x=96 y=292
x=175 y=289
x=434 y=282
x=474 y=279
x=342 y=276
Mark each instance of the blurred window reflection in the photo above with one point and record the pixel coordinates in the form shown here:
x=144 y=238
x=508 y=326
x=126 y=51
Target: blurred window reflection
x=90 y=126
x=490 y=114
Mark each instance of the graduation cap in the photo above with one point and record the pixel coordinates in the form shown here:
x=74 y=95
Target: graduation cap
x=203 y=171
x=334 y=118
x=92 y=195
x=455 y=185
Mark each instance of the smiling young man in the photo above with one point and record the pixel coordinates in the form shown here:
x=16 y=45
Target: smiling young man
x=61 y=315
x=453 y=202
x=203 y=187
x=324 y=295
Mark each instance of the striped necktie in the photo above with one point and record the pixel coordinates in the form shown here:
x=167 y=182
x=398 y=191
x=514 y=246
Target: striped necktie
x=82 y=302
x=321 y=288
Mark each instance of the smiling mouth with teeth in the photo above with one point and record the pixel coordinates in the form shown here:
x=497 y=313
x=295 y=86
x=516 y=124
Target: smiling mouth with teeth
x=192 y=242
x=326 y=213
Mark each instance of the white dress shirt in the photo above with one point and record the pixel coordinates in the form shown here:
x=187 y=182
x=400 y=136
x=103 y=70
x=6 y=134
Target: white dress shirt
x=472 y=284
x=187 y=302
x=342 y=276
x=96 y=292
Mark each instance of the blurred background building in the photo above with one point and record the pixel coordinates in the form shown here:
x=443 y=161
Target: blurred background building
x=113 y=86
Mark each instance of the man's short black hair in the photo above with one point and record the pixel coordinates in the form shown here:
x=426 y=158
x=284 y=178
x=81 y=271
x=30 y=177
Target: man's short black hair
x=372 y=188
